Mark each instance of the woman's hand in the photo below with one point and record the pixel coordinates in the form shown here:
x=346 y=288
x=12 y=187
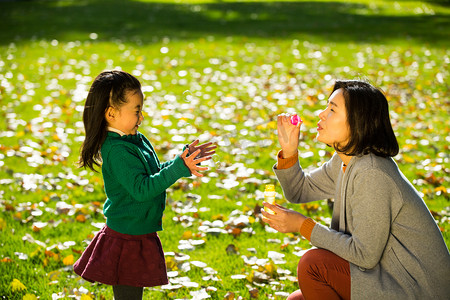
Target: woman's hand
x=288 y=135
x=193 y=163
x=206 y=149
x=283 y=220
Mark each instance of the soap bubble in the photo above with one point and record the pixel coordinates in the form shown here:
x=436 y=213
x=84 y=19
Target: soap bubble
x=216 y=159
x=218 y=164
x=187 y=95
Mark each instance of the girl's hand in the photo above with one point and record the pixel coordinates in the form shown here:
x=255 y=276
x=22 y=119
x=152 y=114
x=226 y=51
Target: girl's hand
x=288 y=135
x=193 y=163
x=283 y=220
x=206 y=149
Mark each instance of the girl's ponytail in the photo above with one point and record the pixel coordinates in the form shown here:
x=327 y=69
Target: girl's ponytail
x=108 y=89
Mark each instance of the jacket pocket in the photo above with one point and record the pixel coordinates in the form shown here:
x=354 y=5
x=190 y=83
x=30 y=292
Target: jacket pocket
x=401 y=273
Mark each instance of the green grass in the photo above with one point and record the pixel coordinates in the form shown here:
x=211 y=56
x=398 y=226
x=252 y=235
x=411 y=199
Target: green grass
x=242 y=63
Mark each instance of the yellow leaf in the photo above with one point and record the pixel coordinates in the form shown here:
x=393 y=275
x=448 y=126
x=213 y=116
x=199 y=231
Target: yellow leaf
x=86 y=297
x=29 y=297
x=218 y=217
x=2 y=224
x=408 y=159
x=54 y=275
x=187 y=235
x=18 y=216
x=68 y=260
x=409 y=146
x=270 y=268
x=441 y=188
x=272 y=125
x=171 y=264
x=17 y=286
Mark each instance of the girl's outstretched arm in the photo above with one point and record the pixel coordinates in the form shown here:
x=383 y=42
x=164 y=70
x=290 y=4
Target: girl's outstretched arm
x=192 y=162
x=127 y=170
x=206 y=149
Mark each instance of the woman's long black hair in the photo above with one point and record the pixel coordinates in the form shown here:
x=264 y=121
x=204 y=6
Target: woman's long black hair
x=368 y=119
x=108 y=89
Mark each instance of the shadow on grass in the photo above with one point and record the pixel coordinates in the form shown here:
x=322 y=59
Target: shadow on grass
x=148 y=22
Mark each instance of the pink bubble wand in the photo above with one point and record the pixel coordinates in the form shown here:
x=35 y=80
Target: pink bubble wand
x=295 y=119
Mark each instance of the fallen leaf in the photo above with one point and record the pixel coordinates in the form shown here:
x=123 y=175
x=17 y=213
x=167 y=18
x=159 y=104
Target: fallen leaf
x=17 y=286
x=68 y=260
x=235 y=232
x=229 y=296
x=29 y=297
x=81 y=218
x=187 y=235
x=232 y=249
x=2 y=224
x=6 y=260
x=258 y=277
x=254 y=293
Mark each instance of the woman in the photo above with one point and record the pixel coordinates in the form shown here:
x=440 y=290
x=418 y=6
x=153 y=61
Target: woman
x=383 y=242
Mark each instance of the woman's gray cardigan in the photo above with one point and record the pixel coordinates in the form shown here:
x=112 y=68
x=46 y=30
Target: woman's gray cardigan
x=380 y=225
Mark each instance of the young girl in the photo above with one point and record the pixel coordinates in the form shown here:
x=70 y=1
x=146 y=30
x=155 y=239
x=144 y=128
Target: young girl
x=383 y=242
x=127 y=252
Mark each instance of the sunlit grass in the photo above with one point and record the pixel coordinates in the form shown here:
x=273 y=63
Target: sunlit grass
x=218 y=70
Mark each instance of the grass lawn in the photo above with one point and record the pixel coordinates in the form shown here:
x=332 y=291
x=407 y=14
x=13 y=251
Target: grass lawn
x=220 y=71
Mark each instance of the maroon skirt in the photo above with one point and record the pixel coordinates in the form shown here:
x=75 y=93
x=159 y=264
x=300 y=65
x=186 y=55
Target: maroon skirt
x=114 y=258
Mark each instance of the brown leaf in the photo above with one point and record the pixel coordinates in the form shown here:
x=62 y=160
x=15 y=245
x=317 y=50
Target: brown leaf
x=81 y=218
x=232 y=249
x=254 y=293
x=235 y=232
x=229 y=296
x=9 y=207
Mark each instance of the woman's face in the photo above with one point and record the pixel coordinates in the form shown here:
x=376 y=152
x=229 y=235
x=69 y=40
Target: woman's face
x=333 y=128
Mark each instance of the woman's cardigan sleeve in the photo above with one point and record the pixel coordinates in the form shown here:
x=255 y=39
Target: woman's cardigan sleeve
x=301 y=187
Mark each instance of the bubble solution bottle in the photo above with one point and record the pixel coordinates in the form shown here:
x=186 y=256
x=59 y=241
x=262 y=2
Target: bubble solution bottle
x=269 y=196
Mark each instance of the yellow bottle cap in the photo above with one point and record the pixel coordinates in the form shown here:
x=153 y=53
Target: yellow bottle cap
x=270 y=187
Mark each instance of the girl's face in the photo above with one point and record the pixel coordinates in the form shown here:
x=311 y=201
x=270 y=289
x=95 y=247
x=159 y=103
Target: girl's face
x=129 y=116
x=333 y=128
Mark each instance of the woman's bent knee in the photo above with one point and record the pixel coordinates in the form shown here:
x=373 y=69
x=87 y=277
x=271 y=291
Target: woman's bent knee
x=309 y=261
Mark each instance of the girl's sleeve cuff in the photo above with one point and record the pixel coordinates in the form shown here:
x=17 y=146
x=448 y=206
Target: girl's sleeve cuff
x=307 y=228
x=286 y=163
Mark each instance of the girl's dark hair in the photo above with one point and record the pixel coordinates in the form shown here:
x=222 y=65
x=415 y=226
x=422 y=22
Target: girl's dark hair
x=368 y=119
x=108 y=89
